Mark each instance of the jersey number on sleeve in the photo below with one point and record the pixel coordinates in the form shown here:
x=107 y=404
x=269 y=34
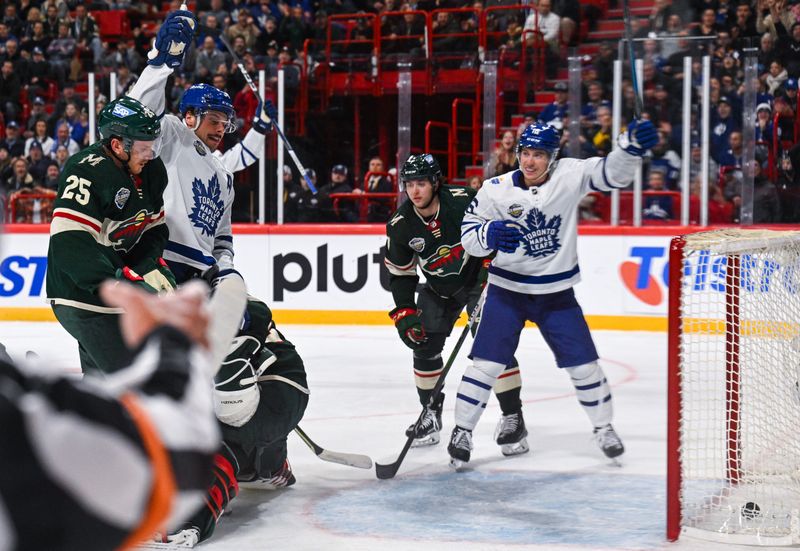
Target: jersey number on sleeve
x=78 y=189
x=472 y=205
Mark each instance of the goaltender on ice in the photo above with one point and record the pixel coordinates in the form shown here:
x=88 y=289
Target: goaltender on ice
x=529 y=217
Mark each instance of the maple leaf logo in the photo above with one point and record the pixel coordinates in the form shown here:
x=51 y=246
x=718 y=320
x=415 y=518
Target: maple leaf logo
x=208 y=207
x=540 y=235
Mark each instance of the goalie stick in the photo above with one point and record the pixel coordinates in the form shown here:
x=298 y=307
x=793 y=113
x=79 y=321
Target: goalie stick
x=350 y=459
x=387 y=471
x=239 y=63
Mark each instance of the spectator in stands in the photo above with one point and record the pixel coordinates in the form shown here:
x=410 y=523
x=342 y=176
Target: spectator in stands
x=13 y=141
x=72 y=118
x=407 y=33
x=743 y=29
x=722 y=124
x=38 y=73
x=475 y=182
x=720 y=211
x=527 y=119
x=84 y=30
x=51 y=176
x=445 y=31
x=789 y=46
x=708 y=28
x=215 y=25
x=504 y=156
x=763 y=123
x=269 y=33
x=570 y=13
x=594 y=100
x=40 y=137
x=37 y=39
x=13 y=55
x=64 y=139
x=293 y=29
x=789 y=184
x=10 y=88
x=555 y=112
x=766 y=22
x=20 y=179
x=732 y=156
x=291 y=74
x=61 y=156
x=657 y=207
x=776 y=76
x=38 y=163
x=601 y=134
x=548 y=23
x=12 y=20
x=301 y=205
x=217 y=11
x=660 y=13
x=343 y=210
x=786 y=114
x=789 y=90
x=665 y=160
x=378 y=210
x=52 y=20
x=60 y=53
x=208 y=62
x=246 y=28
x=766 y=203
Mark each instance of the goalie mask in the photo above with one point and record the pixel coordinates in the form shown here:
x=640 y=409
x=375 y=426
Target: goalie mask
x=236 y=391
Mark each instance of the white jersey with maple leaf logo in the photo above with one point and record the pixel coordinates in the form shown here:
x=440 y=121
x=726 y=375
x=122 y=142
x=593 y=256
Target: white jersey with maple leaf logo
x=199 y=194
x=547 y=215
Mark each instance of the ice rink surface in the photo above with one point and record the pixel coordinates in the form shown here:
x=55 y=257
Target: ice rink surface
x=563 y=494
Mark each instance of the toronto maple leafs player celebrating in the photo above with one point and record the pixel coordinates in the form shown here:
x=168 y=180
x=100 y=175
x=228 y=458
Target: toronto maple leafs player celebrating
x=530 y=217
x=425 y=231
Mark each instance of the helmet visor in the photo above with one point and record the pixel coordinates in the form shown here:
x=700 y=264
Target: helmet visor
x=146 y=149
x=217 y=118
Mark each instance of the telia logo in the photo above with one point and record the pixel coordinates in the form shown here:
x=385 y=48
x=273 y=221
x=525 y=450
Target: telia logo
x=638 y=274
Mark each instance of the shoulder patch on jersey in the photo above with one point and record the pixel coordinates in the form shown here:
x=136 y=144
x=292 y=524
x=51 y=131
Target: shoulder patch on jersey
x=418 y=244
x=92 y=159
x=494 y=181
x=208 y=206
x=515 y=210
x=198 y=146
x=458 y=192
x=395 y=219
x=121 y=197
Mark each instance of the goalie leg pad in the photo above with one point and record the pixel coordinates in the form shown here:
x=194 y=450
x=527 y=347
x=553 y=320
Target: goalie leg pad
x=474 y=391
x=593 y=392
x=236 y=391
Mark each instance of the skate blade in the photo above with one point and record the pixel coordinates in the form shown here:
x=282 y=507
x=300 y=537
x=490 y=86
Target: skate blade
x=430 y=440
x=457 y=464
x=517 y=448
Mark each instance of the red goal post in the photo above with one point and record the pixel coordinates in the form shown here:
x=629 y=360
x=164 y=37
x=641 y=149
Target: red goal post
x=733 y=421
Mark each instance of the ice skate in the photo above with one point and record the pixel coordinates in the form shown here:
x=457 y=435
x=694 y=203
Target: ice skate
x=426 y=432
x=608 y=441
x=282 y=478
x=460 y=447
x=511 y=434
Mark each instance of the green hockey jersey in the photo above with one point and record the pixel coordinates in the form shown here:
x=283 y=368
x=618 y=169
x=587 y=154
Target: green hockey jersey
x=434 y=246
x=104 y=218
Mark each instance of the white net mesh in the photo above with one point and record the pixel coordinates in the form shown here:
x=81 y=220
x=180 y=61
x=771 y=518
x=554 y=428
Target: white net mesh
x=740 y=386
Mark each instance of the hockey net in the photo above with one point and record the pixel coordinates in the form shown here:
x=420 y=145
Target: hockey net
x=734 y=387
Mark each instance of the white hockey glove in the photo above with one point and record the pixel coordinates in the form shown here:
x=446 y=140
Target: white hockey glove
x=175 y=34
x=160 y=278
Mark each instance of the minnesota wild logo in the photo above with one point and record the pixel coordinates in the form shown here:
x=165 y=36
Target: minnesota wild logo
x=126 y=234
x=208 y=207
x=540 y=235
x=447 y=260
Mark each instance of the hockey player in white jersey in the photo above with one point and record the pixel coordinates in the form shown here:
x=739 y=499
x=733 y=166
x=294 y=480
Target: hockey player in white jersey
x=530 y=217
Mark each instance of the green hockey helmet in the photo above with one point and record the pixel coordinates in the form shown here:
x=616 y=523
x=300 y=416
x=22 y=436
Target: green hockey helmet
x=129 y=120
x=422 y=167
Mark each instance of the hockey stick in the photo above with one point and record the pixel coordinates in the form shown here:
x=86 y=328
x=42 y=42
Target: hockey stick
x=240 y=64
x=388 y=471
x=626 y=16
x=350 y=459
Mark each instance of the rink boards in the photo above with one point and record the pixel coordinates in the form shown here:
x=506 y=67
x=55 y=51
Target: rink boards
x=335 y=274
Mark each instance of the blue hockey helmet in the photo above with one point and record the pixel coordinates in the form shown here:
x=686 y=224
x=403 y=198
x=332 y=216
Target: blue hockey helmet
x=541 y=136
x=202 y=98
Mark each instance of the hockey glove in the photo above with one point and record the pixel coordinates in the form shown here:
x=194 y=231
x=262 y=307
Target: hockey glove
x=641 y=136
x=160 y=278
x=409 y=326
x=132 y=277
x=483 y=274
x=175 y=34
x=265 y=114
x=502 y=237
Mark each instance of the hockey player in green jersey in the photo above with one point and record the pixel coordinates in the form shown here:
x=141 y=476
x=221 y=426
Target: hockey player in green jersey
x=426 y=231
x=108 y=222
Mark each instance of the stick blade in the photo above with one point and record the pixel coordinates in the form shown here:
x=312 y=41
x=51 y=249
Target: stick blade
x=350 y=459
x=385 y=472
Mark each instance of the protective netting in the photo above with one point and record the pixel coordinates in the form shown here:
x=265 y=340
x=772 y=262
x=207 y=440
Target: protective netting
x=740 y=386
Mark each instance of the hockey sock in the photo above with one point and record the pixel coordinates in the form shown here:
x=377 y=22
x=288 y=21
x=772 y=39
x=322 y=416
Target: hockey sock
x=474 y=391
x=426 y=374
x=222 y=490
x=593 y=392
x=508 y=388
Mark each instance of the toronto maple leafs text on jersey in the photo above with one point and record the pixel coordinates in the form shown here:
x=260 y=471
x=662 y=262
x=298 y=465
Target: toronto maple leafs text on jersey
x=547 y=215
x=199 y=196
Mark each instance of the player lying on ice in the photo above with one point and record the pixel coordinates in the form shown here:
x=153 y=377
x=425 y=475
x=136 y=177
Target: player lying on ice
x=529 y=217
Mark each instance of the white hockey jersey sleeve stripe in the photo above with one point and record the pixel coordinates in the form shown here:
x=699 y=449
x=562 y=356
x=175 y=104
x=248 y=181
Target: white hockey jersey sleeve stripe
x=182 y=252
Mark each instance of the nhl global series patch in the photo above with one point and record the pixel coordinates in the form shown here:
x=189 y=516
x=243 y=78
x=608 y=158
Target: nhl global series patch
x=515 y=210
x=121 y=197
x=198 y=146
x=418 y=244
